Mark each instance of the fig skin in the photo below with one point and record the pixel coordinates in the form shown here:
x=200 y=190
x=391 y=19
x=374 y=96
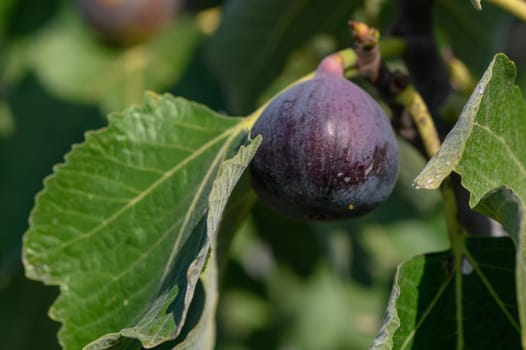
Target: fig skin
x=328 y=149
x=126 y=22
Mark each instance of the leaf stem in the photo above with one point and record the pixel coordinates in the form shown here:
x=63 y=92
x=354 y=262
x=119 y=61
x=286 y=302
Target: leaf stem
x=515 y=7
x=458 y=300
x=417 y=109
x=421 y=117
x=455 y=231
x=456 y=239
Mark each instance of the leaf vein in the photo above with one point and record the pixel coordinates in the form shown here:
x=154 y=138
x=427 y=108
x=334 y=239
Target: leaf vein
x=501 y=140
x=90 y=195
x=101 y=178
x=145 y=192
x=492 y=291
x=426 y=313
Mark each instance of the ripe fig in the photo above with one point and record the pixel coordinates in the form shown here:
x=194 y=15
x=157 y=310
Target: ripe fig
x=328 y=149
x=125 y=22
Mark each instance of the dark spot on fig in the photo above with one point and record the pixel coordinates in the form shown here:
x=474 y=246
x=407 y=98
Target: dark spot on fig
x=328 y=150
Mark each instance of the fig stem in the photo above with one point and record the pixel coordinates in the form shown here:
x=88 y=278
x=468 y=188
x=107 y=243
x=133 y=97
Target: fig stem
x=394 y=86
x=347 y=59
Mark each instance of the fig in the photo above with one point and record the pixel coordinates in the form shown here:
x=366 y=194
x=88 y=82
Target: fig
x=328 y=149
x=125 y=22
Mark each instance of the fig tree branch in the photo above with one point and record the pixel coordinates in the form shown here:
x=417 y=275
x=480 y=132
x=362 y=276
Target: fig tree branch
x=398 y=90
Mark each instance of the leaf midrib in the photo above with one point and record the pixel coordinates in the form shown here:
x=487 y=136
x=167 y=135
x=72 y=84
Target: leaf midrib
x=491 y=291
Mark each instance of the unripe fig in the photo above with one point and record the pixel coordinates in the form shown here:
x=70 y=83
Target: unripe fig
x=126 y=22
x=328 y=149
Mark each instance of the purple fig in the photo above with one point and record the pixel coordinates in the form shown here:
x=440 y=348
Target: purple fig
x=328 y=149
x=127 y=22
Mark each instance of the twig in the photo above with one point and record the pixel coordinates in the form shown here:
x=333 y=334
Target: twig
x=411 y=113
x=396 y=90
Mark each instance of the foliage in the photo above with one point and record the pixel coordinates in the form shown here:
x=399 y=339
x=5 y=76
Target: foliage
x=149 y=227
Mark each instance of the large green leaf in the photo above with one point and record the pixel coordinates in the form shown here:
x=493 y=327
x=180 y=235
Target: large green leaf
x=255 y=37
x=72 y=63
x=486 y=147
x=121 y=226
x=460 y=299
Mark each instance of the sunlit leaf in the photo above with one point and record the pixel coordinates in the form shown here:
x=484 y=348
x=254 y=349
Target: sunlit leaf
x=121 y=226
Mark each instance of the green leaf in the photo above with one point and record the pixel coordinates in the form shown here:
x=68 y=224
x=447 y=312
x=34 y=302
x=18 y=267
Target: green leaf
x=461 y=299
x=121 y=226
x=254 y=39
x=72 y=63
x=486 y=147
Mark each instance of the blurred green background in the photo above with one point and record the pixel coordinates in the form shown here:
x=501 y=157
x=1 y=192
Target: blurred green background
x=287 y=285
